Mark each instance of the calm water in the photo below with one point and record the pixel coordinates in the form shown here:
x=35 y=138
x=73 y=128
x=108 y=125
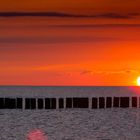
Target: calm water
x=73 y=124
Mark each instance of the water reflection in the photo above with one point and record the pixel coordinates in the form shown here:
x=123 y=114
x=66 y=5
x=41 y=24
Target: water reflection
x=135 y=90
x=36 y=134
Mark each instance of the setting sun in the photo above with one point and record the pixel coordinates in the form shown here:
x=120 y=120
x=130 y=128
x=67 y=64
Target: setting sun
x=138 y=81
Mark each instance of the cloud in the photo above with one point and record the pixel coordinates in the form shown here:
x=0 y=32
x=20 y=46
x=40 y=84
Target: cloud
x=95 y=26
x=36 y=14
x=54 y=40
x=86 y=72
x=67 y=15
x=130 y=71
x=107 y=72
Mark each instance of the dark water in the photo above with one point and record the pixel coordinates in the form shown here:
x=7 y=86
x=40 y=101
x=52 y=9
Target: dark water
x=42 y=91
x=72 y=124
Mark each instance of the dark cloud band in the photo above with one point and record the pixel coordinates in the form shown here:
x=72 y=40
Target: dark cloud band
x=65 y=15
x=54 y=40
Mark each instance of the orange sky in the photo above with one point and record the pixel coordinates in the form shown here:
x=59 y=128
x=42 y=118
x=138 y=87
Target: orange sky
x=82 y=6
x=70 y=51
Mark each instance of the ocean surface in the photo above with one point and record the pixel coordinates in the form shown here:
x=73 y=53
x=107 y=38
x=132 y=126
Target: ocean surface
x=70 y=124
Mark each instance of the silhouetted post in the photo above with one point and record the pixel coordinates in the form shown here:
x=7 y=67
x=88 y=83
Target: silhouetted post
x=80 y=103
x=33 y=103
x=94 y=103
x=108 y=102
x=27 y=103
x=124 y=102
x=12 y=103
x=53 y=103
x=101 y=102
x=134 y=101
x=84 y=103
x=116 y=102
x=19 y=103
x=7 y=103
x=47 y=103
x=40 y=103
x=68 y=102
x=75 y=102
x=61 y=103
x=2 y=103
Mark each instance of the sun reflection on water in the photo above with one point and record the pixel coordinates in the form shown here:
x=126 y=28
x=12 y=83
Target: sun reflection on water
x=135 y=90
x=36 y=134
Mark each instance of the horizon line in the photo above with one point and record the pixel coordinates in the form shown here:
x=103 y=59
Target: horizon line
x=69 y=85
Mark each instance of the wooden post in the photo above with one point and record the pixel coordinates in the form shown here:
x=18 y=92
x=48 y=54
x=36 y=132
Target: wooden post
x=53 y=103
x=94 y=103
x=134 y=101
x=40 y=103
x=69 y=103
x=2 y=103
x=27 y=103
x=32 y=103
x=47 y=103
x=108 y=102
x=80 y=103
x=101 y=102
x=7 y=103
x=116 y=102
x=124 y=102
x=19 y=103
x=61 y=103
x=12 y=103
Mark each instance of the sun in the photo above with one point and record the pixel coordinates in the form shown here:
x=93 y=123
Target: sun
x=138 y=81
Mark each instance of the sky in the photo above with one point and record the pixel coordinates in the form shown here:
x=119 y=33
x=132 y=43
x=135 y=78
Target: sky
x=69 y=43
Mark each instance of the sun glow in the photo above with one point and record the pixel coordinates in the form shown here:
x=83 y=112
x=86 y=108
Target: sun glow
x=138 y=81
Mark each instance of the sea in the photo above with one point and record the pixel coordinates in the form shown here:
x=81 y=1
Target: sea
x=70 y=124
